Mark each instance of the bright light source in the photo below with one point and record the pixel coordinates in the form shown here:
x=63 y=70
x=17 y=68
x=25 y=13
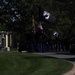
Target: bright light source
x=46 y=15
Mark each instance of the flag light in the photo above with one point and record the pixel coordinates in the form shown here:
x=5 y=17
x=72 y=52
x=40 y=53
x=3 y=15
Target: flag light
x=45 y=16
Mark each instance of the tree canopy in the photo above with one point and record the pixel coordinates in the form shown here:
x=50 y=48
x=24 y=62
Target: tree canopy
x=16 y=15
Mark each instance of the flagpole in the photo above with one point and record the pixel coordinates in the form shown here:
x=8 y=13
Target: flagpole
x=33 y=24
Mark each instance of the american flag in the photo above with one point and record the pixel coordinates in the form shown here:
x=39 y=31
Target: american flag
x=40 y=26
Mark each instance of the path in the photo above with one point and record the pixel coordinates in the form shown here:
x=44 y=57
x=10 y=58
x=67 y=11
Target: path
x=71 y=72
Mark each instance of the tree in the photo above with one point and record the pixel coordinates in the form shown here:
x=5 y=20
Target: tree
x=16 y=15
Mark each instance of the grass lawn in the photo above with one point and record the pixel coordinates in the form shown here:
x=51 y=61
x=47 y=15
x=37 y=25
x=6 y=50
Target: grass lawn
x=15 y=63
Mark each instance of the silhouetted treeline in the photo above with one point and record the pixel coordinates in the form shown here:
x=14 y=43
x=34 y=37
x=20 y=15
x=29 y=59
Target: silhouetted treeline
x=40 y=42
